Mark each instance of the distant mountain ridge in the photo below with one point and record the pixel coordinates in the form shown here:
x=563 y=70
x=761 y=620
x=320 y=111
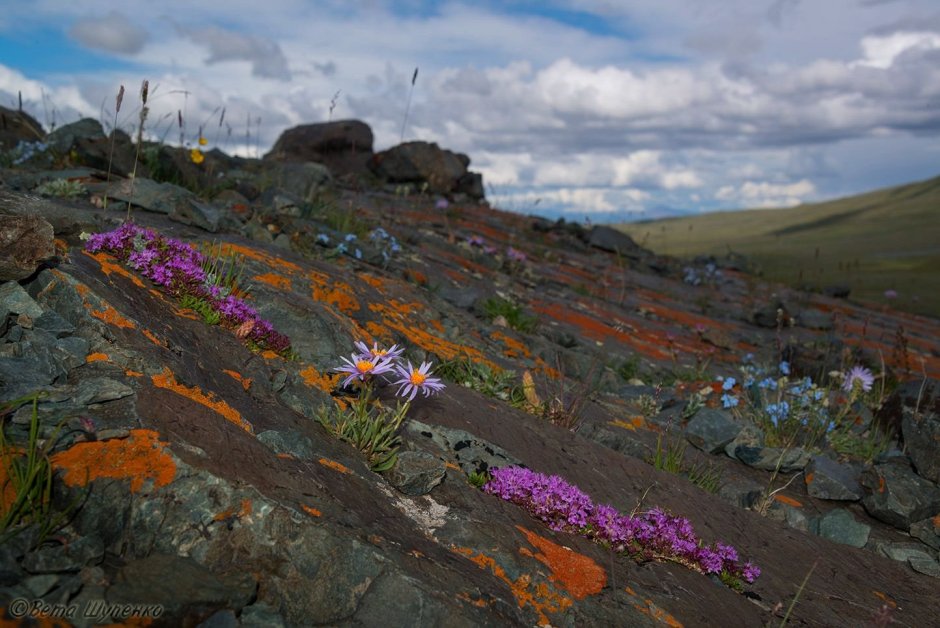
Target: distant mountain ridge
x=883 y=241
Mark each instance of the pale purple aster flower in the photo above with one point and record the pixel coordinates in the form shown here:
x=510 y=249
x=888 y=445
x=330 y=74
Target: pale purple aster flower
x=393 y=353
x=361 y=367
x=475 y=240
x=891 y=294
x=862 y=376
x=515 y=254
x=414 y=380
x=441 y=204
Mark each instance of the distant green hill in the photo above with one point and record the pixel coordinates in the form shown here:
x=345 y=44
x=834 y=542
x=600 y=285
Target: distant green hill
x=888 y=239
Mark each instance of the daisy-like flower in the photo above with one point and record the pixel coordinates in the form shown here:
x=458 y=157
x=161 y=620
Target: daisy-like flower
x=362 y=367
x=196 y=156
x=412 y=380
x=375 y=353
x=860 y=375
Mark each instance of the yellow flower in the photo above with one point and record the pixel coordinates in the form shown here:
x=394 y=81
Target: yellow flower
x=196 y=156
x=203 y=141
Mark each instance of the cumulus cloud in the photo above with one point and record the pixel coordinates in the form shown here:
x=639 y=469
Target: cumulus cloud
x=266 y=58
x=111 y=33
x=766 y=194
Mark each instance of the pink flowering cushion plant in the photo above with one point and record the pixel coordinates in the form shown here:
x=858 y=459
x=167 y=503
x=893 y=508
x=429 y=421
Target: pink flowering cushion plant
x=651 y=535
x=416 y=380
x=179 y=269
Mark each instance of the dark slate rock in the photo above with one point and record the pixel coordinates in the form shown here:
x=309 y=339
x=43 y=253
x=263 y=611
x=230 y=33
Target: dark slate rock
x=17 y=126
x=615 y=241
x=416 y=473
x=192 y=593
x=791 y=515
x=921 y=430
x=615 y=438
x=928 y=531
x=221 y=619
x=827 y=479
x=261 y=615
x=768 y=458
x=303 y=181
x=742 y=493
x=163 y=198
x=711 y=429
x=25 y=242
x=290 y=442
x=71 y=351
x=58 y=295
x=840 y=526
x=460 y=296
x=343 y=146
x=420 y=163
x=86 y=550
x=926 y=566
x=749 y=436
x=99 y=390
x=15 y=300
x=197 y=214
x=898 y=496
x=473 y=454
x=51 y=322
x=837 y=290
x=814 y=319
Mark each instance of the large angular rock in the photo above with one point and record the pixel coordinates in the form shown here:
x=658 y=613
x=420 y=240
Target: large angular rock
x=898 y=496
x=344 y=146
x=920 y=426
x=773 y=458
x=827 y=479
x=711 y=430
x=927 y=531
x=420 y=163
x=17 y=126
x=25 y=242
x=416 y=473
x=840 y=526
x=86 y=144
x=615 y=241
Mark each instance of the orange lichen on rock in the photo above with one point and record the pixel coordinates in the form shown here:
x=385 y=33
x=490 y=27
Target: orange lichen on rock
x=332 y=464
x=108 y=266
x=238 y=377
x=149 y=336
x=7 y=490
x=633 y=423
x=131 y=373
x=514 y=348
x=539 y=596
x=168 y=381
x=274 y=279
x=111 y=316
x=340 y=297
x=376 y=282
x=577 y=574
x=313 y=512
x=96 y=357
x=789 y=501
x=314 y=379
x=227 y=248
x=139 y=457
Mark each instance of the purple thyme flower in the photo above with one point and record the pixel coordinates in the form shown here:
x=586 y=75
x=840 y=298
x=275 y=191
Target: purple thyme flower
x=515 y=254
x=858 y=375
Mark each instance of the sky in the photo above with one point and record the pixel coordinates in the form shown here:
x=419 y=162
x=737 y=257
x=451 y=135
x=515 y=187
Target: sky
x=600 y=110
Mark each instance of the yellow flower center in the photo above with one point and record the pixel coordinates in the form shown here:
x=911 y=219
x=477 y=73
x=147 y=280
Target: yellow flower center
x=417 y=378
x=364 y=366
x=379 y=352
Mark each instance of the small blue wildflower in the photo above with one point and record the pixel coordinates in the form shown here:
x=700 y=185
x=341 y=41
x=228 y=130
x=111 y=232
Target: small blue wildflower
x=358 y=254
x=323 y=238
x=768 y=383
x=728 y=384
x=748 y=358
x=729 y=401
x=341 y=248
x=350 y=237
x=785 y=367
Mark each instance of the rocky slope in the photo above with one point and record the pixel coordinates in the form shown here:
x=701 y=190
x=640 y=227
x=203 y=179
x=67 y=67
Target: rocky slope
x=200 y=489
